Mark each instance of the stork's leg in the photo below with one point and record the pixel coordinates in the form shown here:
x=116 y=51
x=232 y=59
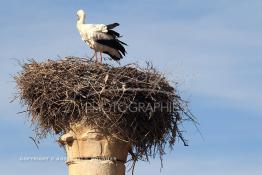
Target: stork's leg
x=101 y=58
x=93 y=55
x=96 y=55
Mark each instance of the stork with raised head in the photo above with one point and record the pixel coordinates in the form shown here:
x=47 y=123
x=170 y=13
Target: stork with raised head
x=101 y=38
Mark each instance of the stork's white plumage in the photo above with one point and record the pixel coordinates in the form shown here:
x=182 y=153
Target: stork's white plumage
x=101 y=38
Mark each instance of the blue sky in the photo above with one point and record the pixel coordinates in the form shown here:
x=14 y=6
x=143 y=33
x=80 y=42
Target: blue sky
x=212 y=48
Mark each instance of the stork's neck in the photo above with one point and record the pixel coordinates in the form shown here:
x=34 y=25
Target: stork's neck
x=81 y=20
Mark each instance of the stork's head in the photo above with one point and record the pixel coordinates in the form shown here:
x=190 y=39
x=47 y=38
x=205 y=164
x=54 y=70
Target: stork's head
x=80 y=14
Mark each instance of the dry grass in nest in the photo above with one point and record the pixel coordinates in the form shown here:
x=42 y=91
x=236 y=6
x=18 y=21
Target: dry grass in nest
x=136 y=105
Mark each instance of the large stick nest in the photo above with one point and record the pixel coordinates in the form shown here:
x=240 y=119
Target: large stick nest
x=135 y=105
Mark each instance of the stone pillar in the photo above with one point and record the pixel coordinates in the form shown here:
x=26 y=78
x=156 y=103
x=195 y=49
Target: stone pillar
x=89 y=152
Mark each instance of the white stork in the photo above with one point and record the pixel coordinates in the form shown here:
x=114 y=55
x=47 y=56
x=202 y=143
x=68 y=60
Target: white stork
x=101 y=38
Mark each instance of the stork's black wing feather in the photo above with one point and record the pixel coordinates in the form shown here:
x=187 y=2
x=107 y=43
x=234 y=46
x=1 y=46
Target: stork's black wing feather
x=113 y=57
x=113 y=43
x=111 y=26
x=113 y=33
x=121 y=42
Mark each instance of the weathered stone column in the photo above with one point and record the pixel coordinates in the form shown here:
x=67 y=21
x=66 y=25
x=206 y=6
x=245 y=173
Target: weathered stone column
x=89 y=152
